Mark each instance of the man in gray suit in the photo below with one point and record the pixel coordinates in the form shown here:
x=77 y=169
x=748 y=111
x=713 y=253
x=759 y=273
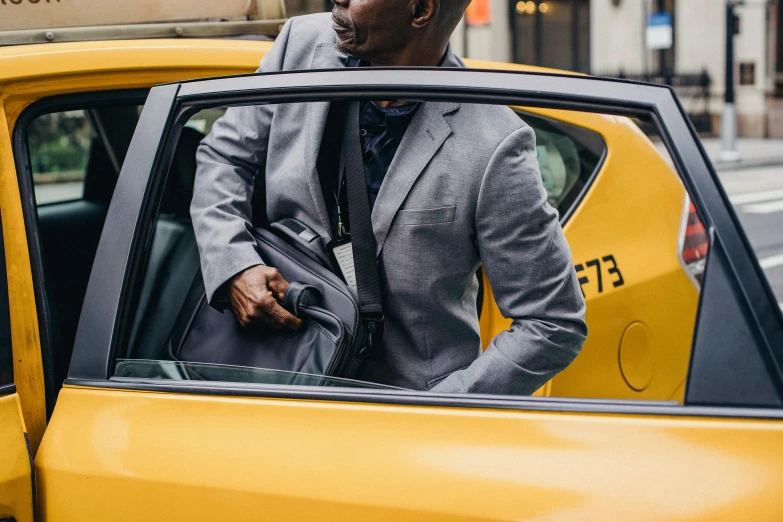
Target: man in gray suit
x=452 y=187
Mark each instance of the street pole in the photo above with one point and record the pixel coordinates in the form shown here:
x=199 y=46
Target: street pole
x=728 y=121
x=661 y=52
x=465 y=26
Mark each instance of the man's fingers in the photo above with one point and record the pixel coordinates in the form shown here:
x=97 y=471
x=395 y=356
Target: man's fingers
x=277 y=284
x=255 y=295
x=284 y=317
x=262 y=315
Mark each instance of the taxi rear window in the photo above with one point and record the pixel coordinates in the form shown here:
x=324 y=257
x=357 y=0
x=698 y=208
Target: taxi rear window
x=568 y=157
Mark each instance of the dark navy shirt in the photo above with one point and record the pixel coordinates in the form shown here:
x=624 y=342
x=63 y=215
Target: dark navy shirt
x=381 y=131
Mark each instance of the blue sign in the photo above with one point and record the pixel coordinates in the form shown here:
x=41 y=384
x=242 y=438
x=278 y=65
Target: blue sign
x=659 y=34
x=657 y=19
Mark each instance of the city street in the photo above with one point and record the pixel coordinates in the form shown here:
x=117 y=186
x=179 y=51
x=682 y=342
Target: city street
x=757 y=195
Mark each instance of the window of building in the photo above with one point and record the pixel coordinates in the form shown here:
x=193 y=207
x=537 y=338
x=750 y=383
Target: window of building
x=552 y=33
x=303 y=7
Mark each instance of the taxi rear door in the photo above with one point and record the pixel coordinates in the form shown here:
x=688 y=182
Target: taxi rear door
x=135 y=448
x=16 y=475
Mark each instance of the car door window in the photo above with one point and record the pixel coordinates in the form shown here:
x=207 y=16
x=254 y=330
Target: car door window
x=569 y=156
x=59 y=146
x=69 y=150
x=640 y=346
x=638 y=240
x=193 y=371
x=77 y=154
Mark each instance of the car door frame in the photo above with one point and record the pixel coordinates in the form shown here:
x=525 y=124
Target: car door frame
x=128 y=228
x=14 y=440
x=22 y=161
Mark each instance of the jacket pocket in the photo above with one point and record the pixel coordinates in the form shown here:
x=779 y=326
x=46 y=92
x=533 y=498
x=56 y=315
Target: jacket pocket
x=434 y=382
x=428 y=216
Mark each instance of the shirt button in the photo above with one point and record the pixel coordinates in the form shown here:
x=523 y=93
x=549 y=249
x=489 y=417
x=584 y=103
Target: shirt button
x=363 y=133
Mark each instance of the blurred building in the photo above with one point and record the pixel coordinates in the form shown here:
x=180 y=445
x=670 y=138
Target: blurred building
x=301 y=7
x=609 y=37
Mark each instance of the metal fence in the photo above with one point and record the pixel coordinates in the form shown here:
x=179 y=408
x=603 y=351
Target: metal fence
x=693 y=89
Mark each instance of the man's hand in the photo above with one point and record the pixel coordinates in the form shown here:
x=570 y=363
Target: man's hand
x=255 y=294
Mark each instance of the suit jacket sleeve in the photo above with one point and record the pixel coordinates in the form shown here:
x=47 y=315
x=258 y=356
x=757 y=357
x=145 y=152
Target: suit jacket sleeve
x=529 y=266
x=228 y=160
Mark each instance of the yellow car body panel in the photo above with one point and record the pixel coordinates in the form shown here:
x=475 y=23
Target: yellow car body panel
x=16 y=483
x=129 y=456
x=608 y=221
x=26 y=345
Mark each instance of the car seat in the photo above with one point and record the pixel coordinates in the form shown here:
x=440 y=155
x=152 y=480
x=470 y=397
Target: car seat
x=172 y=260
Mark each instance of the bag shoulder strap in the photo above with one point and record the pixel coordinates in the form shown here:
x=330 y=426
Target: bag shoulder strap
x=363 y=241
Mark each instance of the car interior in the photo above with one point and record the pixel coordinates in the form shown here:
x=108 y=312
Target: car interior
x=69 y=230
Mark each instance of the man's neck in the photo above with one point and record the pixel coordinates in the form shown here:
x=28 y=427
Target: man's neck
x=412 y=57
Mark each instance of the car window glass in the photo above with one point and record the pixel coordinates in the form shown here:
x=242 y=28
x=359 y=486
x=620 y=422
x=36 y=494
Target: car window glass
x=74 y=149
x=635 y=243
x=205 y=119
x=77 y=154
x=191 y=371
x=59 y=145
x=568 y=156
x=693 y=241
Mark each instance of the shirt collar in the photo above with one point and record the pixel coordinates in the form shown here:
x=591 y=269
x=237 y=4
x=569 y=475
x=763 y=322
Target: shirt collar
x=357 y=62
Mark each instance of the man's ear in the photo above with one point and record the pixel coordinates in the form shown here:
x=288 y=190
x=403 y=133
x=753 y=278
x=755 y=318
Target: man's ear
x=423 y=11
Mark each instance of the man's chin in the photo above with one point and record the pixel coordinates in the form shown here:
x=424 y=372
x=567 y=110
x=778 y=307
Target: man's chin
x=345 y=46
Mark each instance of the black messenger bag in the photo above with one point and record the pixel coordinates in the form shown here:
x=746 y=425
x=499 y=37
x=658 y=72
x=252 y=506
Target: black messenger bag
x=340 y=330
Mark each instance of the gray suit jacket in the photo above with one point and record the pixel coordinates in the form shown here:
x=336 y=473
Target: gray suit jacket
x=463 y=190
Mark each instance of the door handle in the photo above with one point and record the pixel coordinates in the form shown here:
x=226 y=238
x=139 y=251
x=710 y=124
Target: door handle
x=8 y=519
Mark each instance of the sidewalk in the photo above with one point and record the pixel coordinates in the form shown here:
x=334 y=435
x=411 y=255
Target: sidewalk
x=754 y=152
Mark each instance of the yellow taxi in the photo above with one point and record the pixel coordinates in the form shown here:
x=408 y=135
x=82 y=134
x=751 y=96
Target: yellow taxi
x=671 y=411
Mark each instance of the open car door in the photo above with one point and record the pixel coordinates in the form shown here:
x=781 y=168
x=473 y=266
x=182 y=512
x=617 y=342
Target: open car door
x=138 y=436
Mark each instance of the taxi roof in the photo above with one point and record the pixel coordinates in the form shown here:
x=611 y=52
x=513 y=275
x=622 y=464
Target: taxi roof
x=48 y=60
x=86 y=20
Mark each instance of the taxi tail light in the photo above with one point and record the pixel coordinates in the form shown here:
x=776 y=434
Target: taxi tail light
x=694 y=243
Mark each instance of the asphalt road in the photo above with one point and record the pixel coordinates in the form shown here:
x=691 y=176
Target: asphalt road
x=757 y=195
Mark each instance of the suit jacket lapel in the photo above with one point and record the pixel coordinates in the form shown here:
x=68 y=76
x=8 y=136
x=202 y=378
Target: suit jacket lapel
x=326 y=56
x=425 y=134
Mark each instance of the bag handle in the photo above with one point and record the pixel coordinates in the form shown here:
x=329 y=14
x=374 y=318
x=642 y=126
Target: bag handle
x=365 y=263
